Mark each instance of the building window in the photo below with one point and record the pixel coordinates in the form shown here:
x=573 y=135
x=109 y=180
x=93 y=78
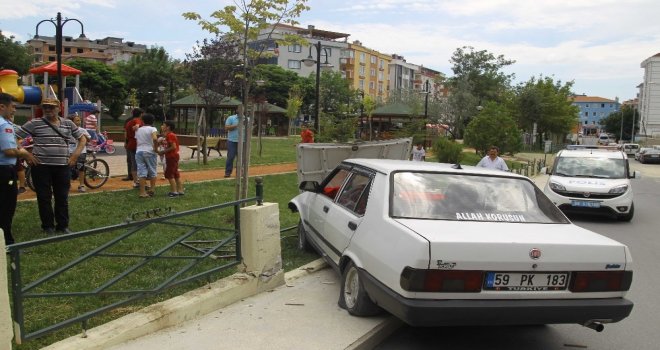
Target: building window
x=585 y=122
x=294 y=64
x=327 y=51
x=67 y=49
x=380 y=75
x=587 y=105
x=593 y=113
x=380 y=87
x=361 y=84
x=373 y=72
x=374 y=60
x=79 y=50
x=51 y=48
x=363 y=57
x=295 y=48
x=586 y=114
x=361 y=71
x=372 y=85
x=382 y=64
x=51 y=58
x=602 y=105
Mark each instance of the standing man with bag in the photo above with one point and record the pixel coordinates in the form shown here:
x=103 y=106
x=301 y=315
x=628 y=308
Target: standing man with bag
x=51 y=175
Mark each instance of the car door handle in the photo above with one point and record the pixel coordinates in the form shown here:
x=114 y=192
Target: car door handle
x=325 y=209
x=352 y=225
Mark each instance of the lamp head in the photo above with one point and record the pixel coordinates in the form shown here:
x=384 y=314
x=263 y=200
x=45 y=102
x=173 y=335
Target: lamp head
x=309 y=61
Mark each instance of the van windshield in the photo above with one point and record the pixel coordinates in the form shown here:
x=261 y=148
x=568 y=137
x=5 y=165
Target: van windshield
x=602 y=168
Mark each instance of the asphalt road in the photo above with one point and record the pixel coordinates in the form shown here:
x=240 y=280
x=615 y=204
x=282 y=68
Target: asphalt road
x=638 y=332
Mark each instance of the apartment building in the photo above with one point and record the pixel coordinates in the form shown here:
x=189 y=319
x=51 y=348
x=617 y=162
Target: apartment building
x=366 y=70
x=109 y=50
x=290 y=57
x=592 y=110
x=649 y=97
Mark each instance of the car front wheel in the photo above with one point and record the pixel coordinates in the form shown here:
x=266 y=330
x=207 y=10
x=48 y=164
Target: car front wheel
x=354 y=297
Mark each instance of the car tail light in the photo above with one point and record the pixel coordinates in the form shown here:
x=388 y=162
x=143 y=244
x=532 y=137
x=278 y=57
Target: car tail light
x=601 y=281
x=443 y=281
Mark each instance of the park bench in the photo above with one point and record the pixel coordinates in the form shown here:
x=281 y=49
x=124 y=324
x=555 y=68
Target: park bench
x=212 y=144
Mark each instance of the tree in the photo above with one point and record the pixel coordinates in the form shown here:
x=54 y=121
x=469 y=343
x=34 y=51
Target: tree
x=483 y=71
x=613 y=124
x=548 y=104
x=14 y=55
x=369 y=104
x=494 y=126
x=293 y=104
x=245 y=22
x=145 y=73
x=277 y=83
x=99 y=81
x=336 y=97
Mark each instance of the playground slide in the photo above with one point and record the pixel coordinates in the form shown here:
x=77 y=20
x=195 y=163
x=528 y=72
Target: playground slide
x=29 y=95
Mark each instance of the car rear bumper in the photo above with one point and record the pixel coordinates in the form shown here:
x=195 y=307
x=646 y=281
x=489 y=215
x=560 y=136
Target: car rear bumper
x=432 y=313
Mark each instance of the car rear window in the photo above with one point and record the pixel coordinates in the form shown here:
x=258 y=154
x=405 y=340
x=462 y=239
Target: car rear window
x=459 y=197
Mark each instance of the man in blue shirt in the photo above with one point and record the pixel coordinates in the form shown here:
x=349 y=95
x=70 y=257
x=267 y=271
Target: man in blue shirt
x=231 y=125
x=9 y=151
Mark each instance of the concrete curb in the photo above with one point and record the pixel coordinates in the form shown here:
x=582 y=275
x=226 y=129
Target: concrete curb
x=181 y=308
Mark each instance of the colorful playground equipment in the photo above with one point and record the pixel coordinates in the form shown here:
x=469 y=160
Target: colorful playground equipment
x=33 y=94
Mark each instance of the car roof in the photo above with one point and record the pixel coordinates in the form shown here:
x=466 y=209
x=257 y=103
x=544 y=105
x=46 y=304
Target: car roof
x=388 y=166
x=592 y=153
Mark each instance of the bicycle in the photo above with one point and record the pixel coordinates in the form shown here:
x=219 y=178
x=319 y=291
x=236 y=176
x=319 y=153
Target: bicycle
x=97 y=173
x=103 y=144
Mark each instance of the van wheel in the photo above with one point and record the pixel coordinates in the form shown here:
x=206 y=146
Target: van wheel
x=629 y=216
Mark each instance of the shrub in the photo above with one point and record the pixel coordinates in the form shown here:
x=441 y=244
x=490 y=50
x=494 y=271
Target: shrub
x=448 y=151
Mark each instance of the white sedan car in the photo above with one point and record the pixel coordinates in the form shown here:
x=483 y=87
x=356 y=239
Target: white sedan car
x=438 y=244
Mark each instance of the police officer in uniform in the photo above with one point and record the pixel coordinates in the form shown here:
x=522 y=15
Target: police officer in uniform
x=9 y=151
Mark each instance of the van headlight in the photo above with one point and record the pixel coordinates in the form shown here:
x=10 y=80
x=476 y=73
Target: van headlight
x=619 y=189
x=557 y=187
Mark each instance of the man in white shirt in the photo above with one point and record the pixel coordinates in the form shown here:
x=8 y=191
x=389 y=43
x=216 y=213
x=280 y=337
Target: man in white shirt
x=492 y=161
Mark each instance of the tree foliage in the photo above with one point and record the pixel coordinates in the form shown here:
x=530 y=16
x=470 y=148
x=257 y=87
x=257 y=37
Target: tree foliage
x=277 y=83
x=613 y=123
x=14 y=55
x=101 y=82
x=293 y=104
x=548 y=104
x=494 y=126
x=448 y=151
x=483 y=71
x=145 y=73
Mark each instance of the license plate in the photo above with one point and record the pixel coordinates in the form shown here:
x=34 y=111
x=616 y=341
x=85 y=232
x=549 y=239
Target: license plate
x=654 y=156
x=585 y=204
x=526 y=282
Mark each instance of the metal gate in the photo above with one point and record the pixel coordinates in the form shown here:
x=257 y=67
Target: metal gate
x=98 y=270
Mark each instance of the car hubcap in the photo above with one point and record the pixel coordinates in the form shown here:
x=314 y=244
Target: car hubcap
x=351 y=287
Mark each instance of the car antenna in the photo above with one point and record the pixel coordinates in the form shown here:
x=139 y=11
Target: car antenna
x=457 y=166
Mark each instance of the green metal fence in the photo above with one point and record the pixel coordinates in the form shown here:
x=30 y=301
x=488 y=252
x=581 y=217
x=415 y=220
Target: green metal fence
x=98 y=270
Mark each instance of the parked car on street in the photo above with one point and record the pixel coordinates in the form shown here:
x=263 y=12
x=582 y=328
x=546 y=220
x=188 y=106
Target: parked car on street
x=592 y=181
x=651 y=155
x=439 y=244
x=641 y=151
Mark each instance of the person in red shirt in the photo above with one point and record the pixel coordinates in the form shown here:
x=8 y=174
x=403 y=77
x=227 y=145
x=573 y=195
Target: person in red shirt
x=306 y=134
x=131 y=143
x=171 y=153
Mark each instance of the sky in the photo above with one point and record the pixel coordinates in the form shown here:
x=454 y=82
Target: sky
x=597 y=44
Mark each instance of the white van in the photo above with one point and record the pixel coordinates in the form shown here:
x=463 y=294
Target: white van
x=630 y=148
x=592 y=181
x=604 y=139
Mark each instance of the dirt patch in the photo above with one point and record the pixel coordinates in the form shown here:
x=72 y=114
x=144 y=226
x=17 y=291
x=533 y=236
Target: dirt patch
x=115 y=183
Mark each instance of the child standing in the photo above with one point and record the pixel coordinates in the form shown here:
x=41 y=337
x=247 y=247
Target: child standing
x=145 y=157
x=171 y=153
x=78 y=171
x=418 y=153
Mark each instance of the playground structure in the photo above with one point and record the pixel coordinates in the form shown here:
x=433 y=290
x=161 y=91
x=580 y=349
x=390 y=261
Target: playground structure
x=33 y=94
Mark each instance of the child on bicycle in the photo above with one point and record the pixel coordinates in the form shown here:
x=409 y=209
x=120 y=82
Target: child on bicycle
x=78 y=172
x=171 y=153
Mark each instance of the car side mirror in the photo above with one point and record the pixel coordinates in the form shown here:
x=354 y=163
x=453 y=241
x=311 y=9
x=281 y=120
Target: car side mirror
x=636 y=175
x=309 y=186
x=546 y=170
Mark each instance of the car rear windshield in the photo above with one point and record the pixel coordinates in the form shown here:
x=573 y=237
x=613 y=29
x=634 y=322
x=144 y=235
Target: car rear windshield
x=596 y=167
x=459 y=197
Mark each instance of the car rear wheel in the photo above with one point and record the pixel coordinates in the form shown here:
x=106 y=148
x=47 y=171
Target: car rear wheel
x=354 y=297
x=629 y=215
x=303 y=243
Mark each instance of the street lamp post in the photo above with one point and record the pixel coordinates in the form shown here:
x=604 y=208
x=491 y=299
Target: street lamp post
x=427 y=89
x=310 y=61
x=59 y=24
x=161 y=89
